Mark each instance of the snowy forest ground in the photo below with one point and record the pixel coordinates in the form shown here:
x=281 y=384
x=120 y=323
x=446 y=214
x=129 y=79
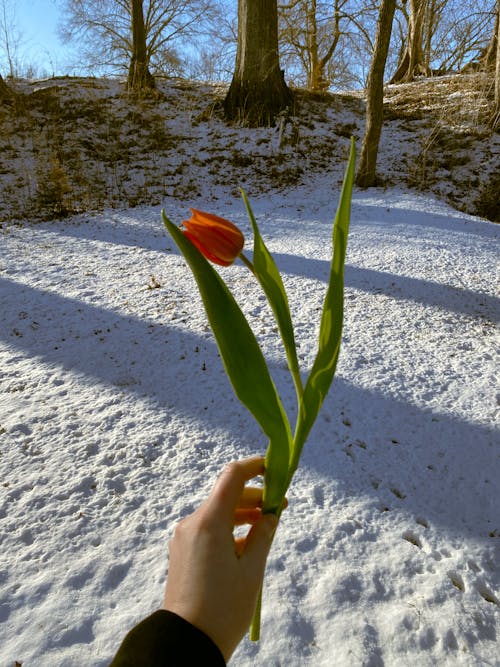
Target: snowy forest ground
x=116 y=416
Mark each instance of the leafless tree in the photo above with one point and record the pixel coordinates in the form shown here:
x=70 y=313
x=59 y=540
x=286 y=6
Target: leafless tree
x=440 y=36
x=488 y=56
x=366 y=175
x=312 y=34
x=215 y=54
x=412 y=61
x=258 y=91
x=103 y=32
x=10 y=38
x=139 y=76
x=459 y=38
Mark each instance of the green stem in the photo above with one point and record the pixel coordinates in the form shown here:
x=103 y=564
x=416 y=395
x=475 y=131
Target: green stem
x=255 y=624
x=297 y=381
x=247 y=262
x=254 y=631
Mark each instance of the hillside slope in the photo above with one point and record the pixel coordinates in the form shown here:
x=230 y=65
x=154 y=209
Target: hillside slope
x=72 y=145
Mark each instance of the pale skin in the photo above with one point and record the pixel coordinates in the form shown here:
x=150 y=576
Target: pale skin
x=214 y=579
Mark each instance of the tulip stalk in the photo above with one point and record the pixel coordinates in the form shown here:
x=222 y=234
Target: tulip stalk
x=208 y=238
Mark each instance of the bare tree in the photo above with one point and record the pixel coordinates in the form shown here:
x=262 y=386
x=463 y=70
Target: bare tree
x=258 y=91
x=459 y=36
x=488 y=56
x=10 y=37
x=412 y=62
x=366 y=175
x=313 y=32
x=216 y=51
x=103 y=31
x=139 y=76
x=440 y=36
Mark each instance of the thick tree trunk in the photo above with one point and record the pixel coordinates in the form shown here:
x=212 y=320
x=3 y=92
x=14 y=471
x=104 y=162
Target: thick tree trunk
x=366 y=176
x=412 y=63
x=258 y=91
x=139 y=76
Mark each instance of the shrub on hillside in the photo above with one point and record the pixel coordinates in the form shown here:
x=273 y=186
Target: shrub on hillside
x=487 y=204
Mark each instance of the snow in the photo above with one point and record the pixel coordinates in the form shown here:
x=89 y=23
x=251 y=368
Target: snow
x=116 y=417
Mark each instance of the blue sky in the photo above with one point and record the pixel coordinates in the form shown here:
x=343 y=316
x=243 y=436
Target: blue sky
x=39 y=45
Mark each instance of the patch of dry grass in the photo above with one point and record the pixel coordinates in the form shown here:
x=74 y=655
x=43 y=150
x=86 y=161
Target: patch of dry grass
x=456 y=153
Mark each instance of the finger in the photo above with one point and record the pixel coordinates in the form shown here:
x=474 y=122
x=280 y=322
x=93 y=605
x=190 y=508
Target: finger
x=247 y=516
x=251 y=497
x=250 y=512
x=259 y=540
x=228 y=489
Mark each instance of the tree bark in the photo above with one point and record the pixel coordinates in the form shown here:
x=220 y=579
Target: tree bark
x=315 y=73
x=488 y=58
x=258 y=91
x=139 y=76
x=412 y=63
x=366 y=176
x=317 y=81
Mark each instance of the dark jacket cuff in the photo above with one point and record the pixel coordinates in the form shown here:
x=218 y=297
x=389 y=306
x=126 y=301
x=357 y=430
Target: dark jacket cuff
x=165 y=639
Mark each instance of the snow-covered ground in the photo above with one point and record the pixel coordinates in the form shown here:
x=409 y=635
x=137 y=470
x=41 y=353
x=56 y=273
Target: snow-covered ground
x=116 y=417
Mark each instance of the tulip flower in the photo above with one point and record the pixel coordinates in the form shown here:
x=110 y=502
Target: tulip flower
x=216 y=238
x=209 y=237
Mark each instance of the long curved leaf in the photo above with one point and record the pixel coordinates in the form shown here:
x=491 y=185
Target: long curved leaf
x=330 y=334
x=244 y=363
x=271 y=282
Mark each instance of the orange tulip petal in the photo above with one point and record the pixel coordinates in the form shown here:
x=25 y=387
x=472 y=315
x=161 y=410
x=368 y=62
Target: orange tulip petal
x=210 y=218
x=205 y=252
x=216 y=238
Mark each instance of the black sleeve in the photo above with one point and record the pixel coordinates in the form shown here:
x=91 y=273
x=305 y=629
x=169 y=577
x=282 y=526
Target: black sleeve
x=167 y=640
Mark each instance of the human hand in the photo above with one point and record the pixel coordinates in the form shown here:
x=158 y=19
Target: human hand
x=213 y=579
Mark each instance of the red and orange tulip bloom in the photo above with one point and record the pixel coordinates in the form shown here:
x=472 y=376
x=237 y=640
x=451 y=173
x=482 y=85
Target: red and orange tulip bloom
x=216 y=238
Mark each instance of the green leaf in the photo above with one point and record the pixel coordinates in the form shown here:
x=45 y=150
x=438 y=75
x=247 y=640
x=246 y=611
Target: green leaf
x=244 y=364
x=269 y=277
x=330 y=334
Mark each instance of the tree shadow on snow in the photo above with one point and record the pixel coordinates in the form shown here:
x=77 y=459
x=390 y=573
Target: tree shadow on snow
x=429 y=293
x=422 y=461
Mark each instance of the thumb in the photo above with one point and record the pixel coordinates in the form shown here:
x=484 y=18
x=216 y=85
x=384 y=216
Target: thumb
x=259 y=539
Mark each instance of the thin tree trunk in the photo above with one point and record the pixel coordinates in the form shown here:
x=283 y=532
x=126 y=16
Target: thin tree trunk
x=316 y=76
x=315 y=73
x=258 y=91
x=488 y=58
x=139 y=76
x=366 y=176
